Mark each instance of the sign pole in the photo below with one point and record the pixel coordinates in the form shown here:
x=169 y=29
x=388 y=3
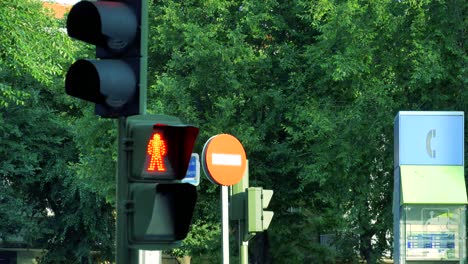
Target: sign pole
x=225 y=223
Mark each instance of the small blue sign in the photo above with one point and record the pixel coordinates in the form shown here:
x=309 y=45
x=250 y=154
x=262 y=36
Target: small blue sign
x=429 y=138
x=192 y=168
x=432 y=240
x=193 y=172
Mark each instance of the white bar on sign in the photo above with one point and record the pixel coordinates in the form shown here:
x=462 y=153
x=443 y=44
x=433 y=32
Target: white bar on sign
x=226 y=159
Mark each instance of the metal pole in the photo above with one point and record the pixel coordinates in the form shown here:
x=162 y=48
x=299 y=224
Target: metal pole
x=149 y=257
x=244 y=245
x=122 y=252
x=225 y=223
x=244 y=252
x=143 y=77
x=144 y=57
x=238 y=189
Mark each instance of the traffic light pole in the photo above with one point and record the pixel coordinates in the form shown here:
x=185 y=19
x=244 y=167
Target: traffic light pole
x=244 y=252
x=143 y=72
x=144 y=57
x=122 y=252
x=239 y=189
x=143 y=79
x=243 y=244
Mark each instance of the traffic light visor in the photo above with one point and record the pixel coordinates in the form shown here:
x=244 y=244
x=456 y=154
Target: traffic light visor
x=84 y=88
x=106 y=24
x=84 y=23
x=162 y=213
x=110 y=82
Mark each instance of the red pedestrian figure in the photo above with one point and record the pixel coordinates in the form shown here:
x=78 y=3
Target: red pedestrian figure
x=157 y=151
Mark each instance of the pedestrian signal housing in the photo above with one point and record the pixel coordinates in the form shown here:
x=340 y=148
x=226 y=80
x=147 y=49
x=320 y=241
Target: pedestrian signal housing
x=159 y=207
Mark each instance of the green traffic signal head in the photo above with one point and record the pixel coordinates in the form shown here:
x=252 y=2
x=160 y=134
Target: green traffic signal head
x=258 y=219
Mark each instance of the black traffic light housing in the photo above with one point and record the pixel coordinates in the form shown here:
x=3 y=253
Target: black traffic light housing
x=116 y=78
x=158 y=208
x=167 y=222
x=178 y=139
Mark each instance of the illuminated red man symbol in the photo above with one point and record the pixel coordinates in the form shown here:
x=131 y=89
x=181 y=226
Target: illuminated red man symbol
x=157 y=151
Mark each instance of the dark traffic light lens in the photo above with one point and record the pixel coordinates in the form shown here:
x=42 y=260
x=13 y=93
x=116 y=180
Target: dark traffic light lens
x=107 y=24
x=110 y=82
x=82 y=81
x=84 y=23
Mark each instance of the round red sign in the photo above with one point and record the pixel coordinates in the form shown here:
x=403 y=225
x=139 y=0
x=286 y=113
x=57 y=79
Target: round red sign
x=224 y=160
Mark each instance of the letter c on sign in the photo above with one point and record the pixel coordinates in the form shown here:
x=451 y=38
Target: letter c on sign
x=430 y=135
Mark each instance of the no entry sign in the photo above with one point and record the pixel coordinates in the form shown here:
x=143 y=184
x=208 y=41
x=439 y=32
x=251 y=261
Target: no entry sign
x=224 y=160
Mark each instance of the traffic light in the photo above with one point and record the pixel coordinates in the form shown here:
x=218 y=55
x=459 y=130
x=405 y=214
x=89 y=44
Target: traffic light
x=162 y=147
x=157 y=207
x=258 y=199
x=116 y=80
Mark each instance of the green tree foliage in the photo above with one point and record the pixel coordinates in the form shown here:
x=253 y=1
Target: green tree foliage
x=311 y=89
x=43 y=204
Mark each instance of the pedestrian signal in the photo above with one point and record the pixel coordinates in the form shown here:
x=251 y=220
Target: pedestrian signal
x=158 y=206
x=156 y=153
x=161 y=147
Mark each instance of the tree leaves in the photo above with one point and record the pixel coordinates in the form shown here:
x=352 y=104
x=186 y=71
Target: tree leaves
x=311 y=90
x=43 y=203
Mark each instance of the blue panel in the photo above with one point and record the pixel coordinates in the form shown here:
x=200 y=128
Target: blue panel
x=431 y=240
x=192 y=168
x=430 y=139
x=193 y=172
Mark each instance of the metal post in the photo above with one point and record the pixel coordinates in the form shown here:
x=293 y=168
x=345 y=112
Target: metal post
x=144 y=57
x=244 y=252
x=149 y=257
x=122 y=252
x=239 y=189
x=143 y=77
x=225 y=223
x=244 y=245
